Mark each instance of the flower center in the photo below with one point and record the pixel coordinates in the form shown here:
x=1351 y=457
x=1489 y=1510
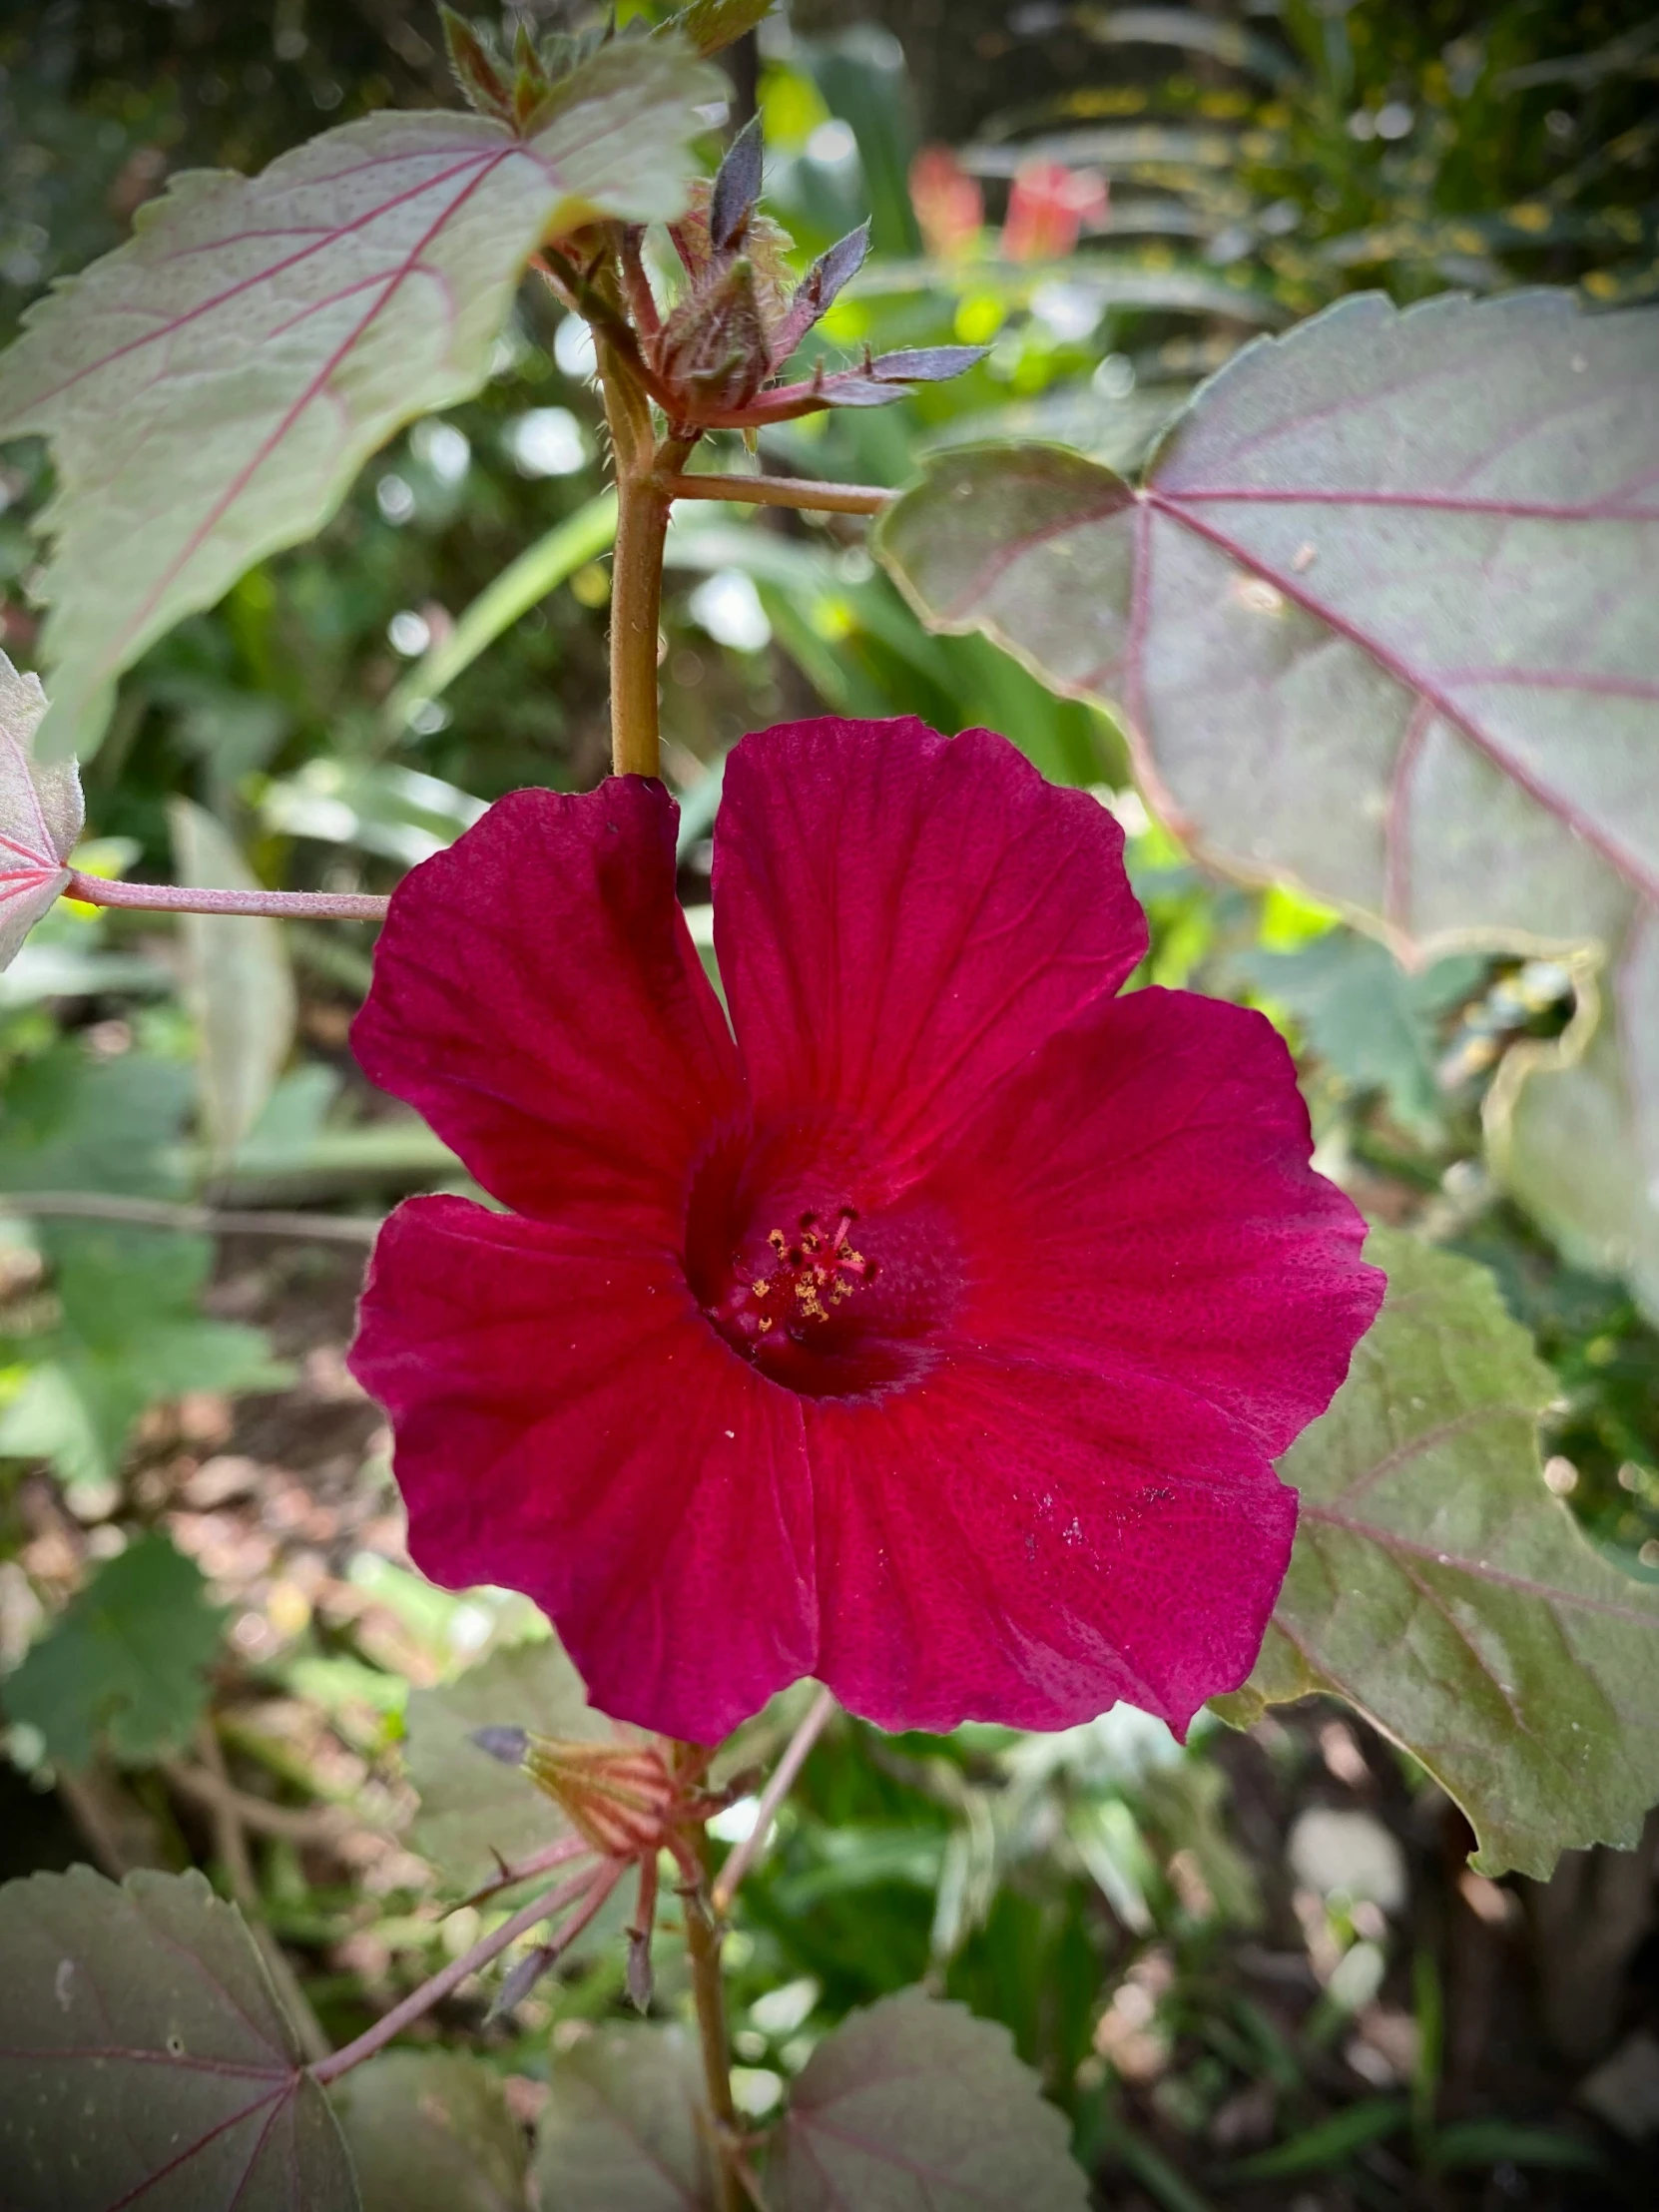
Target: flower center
x=826 y=1297
x=816 y=1268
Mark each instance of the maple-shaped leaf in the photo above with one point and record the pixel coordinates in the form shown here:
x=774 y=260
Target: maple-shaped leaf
x=122 y=1667
x=210 y=389
x=1384 y=622
x=917 y=2105
x=40 y=813
x=1440 y=1588
x=145 y=2059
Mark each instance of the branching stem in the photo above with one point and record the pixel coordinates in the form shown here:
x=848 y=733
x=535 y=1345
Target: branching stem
x=582 y=1886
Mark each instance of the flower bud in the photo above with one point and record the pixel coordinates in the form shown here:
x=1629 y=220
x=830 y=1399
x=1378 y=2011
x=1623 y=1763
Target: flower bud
x=616 y=1796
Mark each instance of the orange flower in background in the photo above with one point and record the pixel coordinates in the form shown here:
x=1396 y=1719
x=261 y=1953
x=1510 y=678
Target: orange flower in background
x=1048 y=205
x=949 y=206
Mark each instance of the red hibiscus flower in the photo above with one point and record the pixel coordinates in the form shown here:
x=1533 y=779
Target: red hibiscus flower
x=934 y=1337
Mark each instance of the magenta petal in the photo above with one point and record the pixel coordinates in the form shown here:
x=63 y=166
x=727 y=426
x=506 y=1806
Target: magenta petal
x=1030 y=1543
x=1141 y=1195
x=537 y=998
x=569 y=1426
x=902 y=918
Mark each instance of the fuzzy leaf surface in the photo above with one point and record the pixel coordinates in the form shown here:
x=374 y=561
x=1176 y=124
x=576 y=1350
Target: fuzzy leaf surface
x=1384 y=622
x=41 y=814
x=472 y=1805
x=145 y=2059
x=210 y=388
x=916 y=2106
x=1440 y=1588
x=620 y=2131
x=429 y=2131
x=122 y=1666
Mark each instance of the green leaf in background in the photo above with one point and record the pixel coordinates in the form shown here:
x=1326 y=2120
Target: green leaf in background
x=429 y=2131
x=69 y=1122
x=916 y=2106
x=238 y=984
x=210 y=389
x=1372 y=1020
x=1383 y=621
x=472 y=1805
x=41 y=814
x=145 y=2059
x=709 y=25
x=1440 y=1588
x=621 y=2131
x=130 y=1334
x=120 y=1668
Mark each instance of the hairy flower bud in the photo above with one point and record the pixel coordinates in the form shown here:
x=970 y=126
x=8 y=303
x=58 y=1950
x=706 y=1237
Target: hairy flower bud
x=715 y=347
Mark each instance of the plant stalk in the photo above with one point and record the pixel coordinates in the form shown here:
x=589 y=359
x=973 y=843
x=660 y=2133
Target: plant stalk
x=636 y=610
x=807 y=1733
x=783 y=491
x=487 y=1947
x=703 y=1945
x=185 y=898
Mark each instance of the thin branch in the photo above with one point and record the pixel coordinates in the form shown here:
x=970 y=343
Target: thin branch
x=231 y=1843
x=460 y=1970
x=808 y=1732
x=293 y=1823
x=185 y=898
x=157 y=1212
x=540 y=1862
x=783 y=491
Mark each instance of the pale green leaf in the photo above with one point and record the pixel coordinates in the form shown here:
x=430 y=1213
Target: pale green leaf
x=472 y=1805
x=711 y=24
x=621 y=2133
x=40 y=813
x=238 y=985
x=145 y=2058
x=130 y=1334
x=1383 y=621
x=1440 y=1588
x=121 y=1669
x=916 y=2106
x=429 y=2131
x=210 y=389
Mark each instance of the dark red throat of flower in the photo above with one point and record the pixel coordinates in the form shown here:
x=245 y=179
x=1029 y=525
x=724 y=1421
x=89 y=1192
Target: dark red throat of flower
x=823 y=1299
x=815 y=1268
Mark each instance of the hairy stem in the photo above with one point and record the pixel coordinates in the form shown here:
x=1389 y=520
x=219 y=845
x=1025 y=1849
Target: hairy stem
x=806 y=1733
x=783 y=491
x=487 y=1947
x=184 y=899
x=636 y=606
x=702 y=1941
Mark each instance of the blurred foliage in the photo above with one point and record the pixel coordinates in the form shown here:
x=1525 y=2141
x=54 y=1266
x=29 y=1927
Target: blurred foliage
x=1109 y=1894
